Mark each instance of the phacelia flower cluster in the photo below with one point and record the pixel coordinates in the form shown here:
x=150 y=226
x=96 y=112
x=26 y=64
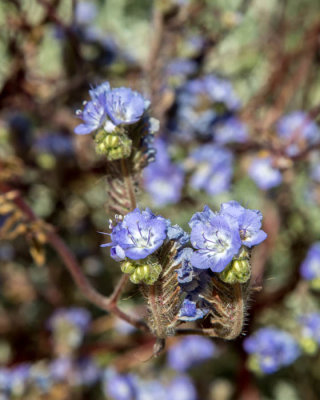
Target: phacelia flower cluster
x=163 y=179
x=136 y=238
x=113 y=114
x=271 y=349
x=218 y=238
x=109 y=108
x=310 y=267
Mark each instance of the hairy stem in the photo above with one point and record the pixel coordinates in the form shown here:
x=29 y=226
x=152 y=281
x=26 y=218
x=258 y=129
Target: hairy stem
x=128 y=183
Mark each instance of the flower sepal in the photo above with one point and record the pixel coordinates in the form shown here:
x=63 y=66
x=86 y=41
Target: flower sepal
x=115 y=145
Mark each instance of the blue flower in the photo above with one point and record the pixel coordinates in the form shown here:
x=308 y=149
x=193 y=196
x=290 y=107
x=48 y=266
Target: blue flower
x=79 y=317
x=221 y=91
x=182 y=388
x=272 y=349
x=297 y=129
x=119 y=387
x=231 y=131
x=125 y=106
x=264 y=174
x=140 y=234
x=311 y=326
x=181 y=67
x=190 y=351
x=94 y=114
x=249 y=222
x=163 y=179
x=85 y=12
x=190 y=312
x=310 y=267
x=216 y=238
x=213 y=169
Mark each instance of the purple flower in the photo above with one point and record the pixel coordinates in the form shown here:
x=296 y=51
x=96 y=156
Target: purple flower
x=190 y=312
x=272 y=349
x=230 y=131
x=296 y=128
x=94 y=114
x=213 y=170
x=311 y=326
x=85 y=12
x=181 y=67
x=87 y=372
x=221 y=91
x=140 y=234
x=163 y=179
x=125 y=106
x=79 y=317
x=61 y=369
x=182 y=388
x=190 y=351
x=249 y=222
x=310 y=267
x=264 y=174
x=216 y=238
x=147 y=390
x=119 y=387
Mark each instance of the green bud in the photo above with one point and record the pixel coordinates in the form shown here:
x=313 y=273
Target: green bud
x=237 y=271
x=315 y=284
x=253 y=364
x=127 y=267
x=308 y=345
x=111 y=141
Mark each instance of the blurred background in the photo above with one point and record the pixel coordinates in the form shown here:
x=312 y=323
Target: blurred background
x=235 y=86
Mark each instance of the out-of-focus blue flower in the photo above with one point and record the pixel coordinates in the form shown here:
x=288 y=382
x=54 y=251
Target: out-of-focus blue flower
x=140 y=234
x=75 y=315
x=151 y=390
x=19 y=376
x=297 y=129
x=310 y=267
x=221 y=91
x=249 y=222
x=311 y=326
x=190 y=312
x=216 y=238
x=68 y=326
x=87 y=372
x=213 y=169
x=190 y=351
x=119 y=387
x=230 y=131
x=56 y=144
x=182 y=388
x=271 y=349
x=264 y=174
x=61 y=369
x=94 y=114
x=162 y=179
x=315 y=172
x=85 y=12
x=4 y=379
x=181 y=67
x=125 y=106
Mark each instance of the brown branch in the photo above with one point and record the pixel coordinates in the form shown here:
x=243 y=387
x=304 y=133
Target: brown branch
x=105 y=303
